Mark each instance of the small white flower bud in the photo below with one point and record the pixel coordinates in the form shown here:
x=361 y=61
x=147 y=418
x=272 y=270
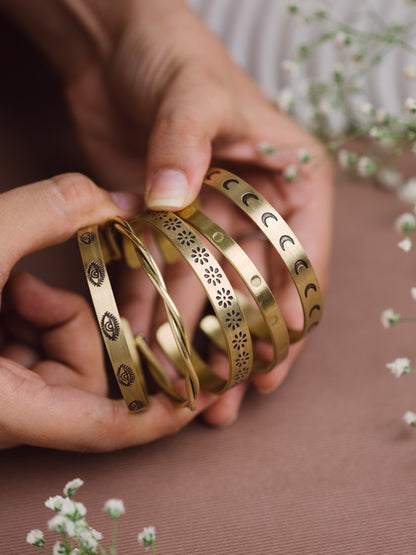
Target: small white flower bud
x=410 y=105
x=291 y=173
x=35 y=537
x=342 y=39
x=366 y=166
x=285 y=99
x=304 y=156
x=399 y=367
x=409 y=71
x=389 y=317
x=408 y=191
x=147 y=536
x=410 y=418
x=366 y=109
x=114 y=507
x=291 y=66
x=405 y=222
x=72 y=486
x=405 y=244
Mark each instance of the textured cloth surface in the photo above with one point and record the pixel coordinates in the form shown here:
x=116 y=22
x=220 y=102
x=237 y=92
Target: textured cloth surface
x=323 y=466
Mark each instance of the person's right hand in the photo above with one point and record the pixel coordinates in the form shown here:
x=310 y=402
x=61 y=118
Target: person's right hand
x=52 y=378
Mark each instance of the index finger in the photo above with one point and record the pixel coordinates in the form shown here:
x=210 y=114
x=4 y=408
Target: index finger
x=49 y=212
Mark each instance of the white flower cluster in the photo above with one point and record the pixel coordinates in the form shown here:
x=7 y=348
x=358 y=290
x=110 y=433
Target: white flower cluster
x=78 y=537
x=399 y=367
x=147 y=536
x=36 y=538
x=410 y=418
x=389 y=317
x=114 y=507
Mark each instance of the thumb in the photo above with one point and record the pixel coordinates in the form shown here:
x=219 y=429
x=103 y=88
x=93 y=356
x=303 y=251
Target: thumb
x=49 y=212
x=180 y=144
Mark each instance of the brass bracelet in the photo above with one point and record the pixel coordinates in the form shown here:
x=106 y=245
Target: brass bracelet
x=175 y=322
x=266 y=322
x=115 y=331
x=282 y=238
x=222 y=297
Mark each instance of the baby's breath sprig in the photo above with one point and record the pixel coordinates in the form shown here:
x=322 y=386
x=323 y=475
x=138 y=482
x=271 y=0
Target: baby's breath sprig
x=77 y=536
x=405 y=223
x=335 y=108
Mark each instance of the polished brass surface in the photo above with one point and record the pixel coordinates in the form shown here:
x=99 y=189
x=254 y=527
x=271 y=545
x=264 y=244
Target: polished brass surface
x=282 y=238
x=115 y=333
x=235 y=319
x=272 y=320
x=220 y=293
x=174 y=318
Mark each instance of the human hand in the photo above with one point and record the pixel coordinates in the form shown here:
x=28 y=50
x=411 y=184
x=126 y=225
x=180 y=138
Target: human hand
x=186 y=100
x=52 y=377
x=152 y=90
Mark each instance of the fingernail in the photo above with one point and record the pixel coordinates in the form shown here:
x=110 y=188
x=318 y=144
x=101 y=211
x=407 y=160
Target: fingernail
x=268 y=390
x=229 y=422
x=168 y=189
x=127 y=201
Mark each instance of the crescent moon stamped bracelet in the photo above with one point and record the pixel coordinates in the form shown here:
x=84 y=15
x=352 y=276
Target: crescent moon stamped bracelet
x=233 y=323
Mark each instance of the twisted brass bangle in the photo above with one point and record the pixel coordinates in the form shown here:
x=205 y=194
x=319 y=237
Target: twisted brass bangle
x=115 y=331
x=282 y=238
x=175 y=321
x=266 y=322
x=233 y=324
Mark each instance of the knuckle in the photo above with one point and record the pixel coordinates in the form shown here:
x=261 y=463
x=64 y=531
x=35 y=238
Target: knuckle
x=73 y=194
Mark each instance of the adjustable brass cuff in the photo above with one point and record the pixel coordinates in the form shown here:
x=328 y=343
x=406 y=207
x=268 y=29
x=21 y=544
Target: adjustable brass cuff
x=115 y=332
x=282 y=238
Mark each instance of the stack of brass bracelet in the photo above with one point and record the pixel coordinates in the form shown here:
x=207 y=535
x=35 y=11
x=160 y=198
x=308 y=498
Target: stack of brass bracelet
x=234 y=320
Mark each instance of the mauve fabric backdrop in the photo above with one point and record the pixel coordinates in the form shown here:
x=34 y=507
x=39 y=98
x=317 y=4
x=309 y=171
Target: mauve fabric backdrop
x=325 y=465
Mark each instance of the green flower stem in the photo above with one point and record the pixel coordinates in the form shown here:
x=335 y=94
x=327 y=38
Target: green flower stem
x=113 y=548
x=154 y=549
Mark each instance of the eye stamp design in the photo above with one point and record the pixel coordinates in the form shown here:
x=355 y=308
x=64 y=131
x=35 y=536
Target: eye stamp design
x=200 y=255
x=239 y=341
x=224 y=297
x=233 y=320
x=125 y=375
x=213 y=275
x=172 y=224
x=87 y=237
x=136 y=405
x=186 y=238
x=95 y=273
x=110 y=326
